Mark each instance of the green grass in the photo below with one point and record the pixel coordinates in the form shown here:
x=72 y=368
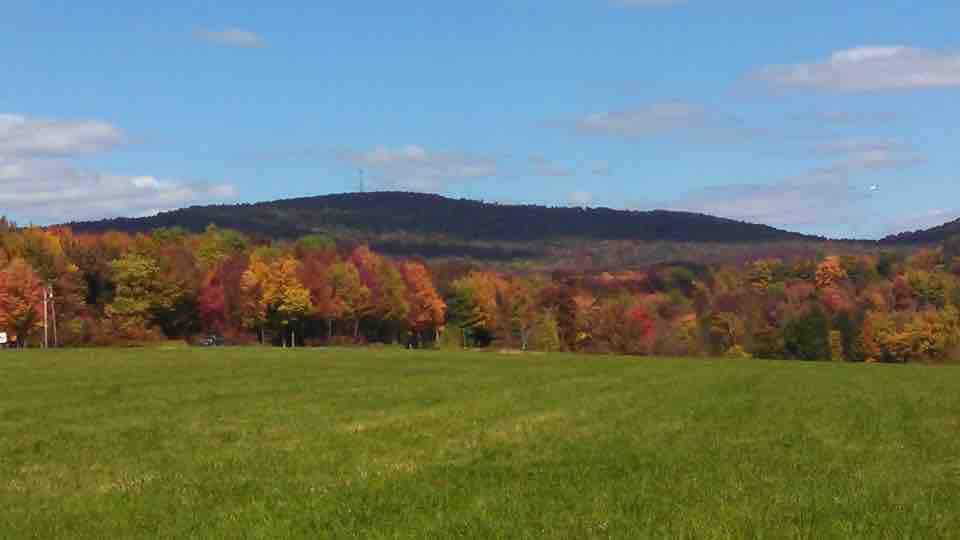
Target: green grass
x=266 y=443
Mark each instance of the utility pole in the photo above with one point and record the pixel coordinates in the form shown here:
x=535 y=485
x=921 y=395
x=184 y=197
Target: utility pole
x=53 y=318
x=46 y=292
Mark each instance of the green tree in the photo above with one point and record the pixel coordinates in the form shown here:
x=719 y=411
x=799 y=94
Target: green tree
x=546 y=332
x=216 y=244
x=807 y=337
x=850 y=328
x=141 y=294
x=393 y=306
x=350 y=295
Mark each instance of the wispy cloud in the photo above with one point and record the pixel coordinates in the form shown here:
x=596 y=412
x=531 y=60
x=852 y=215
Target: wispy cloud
x=23 y=136
x=655 y=119
x=921 y=220
x=232 y=37
x=849 y=118
x=50 y=191
x=416 y=168
x=648 y=3
x=676 y=119
x=825 y=198
x=580 y=198
x=544 y=167
x=859 y=155
x=799 y=202
x=869 y=68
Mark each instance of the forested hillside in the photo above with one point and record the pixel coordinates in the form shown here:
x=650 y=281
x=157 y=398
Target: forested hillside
x=438 y=228
x=381 y=213
x=933 y=235
x=121 y=288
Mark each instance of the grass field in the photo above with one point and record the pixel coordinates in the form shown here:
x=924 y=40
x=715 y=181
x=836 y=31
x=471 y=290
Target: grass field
x=266 y=443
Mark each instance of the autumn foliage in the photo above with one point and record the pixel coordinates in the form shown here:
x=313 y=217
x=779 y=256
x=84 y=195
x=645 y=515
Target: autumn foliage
x=21 y=299
x=117 y=288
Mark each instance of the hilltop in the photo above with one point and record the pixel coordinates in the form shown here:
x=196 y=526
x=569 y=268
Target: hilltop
x=933 y=235
x=381 y=213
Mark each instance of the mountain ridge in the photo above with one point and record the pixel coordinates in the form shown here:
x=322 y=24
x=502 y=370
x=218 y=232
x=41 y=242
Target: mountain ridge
x=932 y=235
x=465 y=219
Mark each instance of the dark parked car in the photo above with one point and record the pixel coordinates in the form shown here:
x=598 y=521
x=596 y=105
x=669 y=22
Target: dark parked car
x=212 y=341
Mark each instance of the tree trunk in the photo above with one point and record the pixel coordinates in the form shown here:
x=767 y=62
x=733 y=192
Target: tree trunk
x=329 y=329
x=293 y=337
x=356 y=329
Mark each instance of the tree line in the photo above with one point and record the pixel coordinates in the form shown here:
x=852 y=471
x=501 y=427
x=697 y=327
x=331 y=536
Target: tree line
x=115 y=288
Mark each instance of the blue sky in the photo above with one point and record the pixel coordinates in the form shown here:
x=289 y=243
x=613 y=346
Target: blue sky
x=807 y=116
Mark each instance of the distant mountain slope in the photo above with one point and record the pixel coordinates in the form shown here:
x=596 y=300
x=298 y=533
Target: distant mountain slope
x=933 y=235
x=379 y=213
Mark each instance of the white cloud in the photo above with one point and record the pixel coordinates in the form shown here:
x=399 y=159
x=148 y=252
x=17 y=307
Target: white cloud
x=793 y=203
x=52 y=191
x=643 y=121
x=232 y=37
x=38 y=183
x=847 y=118
x=675 y=119
x=857 y=146
x=579 y=198
x=870 y=68
x=544 y=167
x=827 y=198
x=858 y=155
x=22 y=136
x=415 y=168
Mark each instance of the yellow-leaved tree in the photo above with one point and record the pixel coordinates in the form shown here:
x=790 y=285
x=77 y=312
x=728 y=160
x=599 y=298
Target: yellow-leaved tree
x=274 y=296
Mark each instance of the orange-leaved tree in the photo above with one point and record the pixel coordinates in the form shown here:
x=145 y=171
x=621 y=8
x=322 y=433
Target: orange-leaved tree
x=21 y=299
x=426 y=307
